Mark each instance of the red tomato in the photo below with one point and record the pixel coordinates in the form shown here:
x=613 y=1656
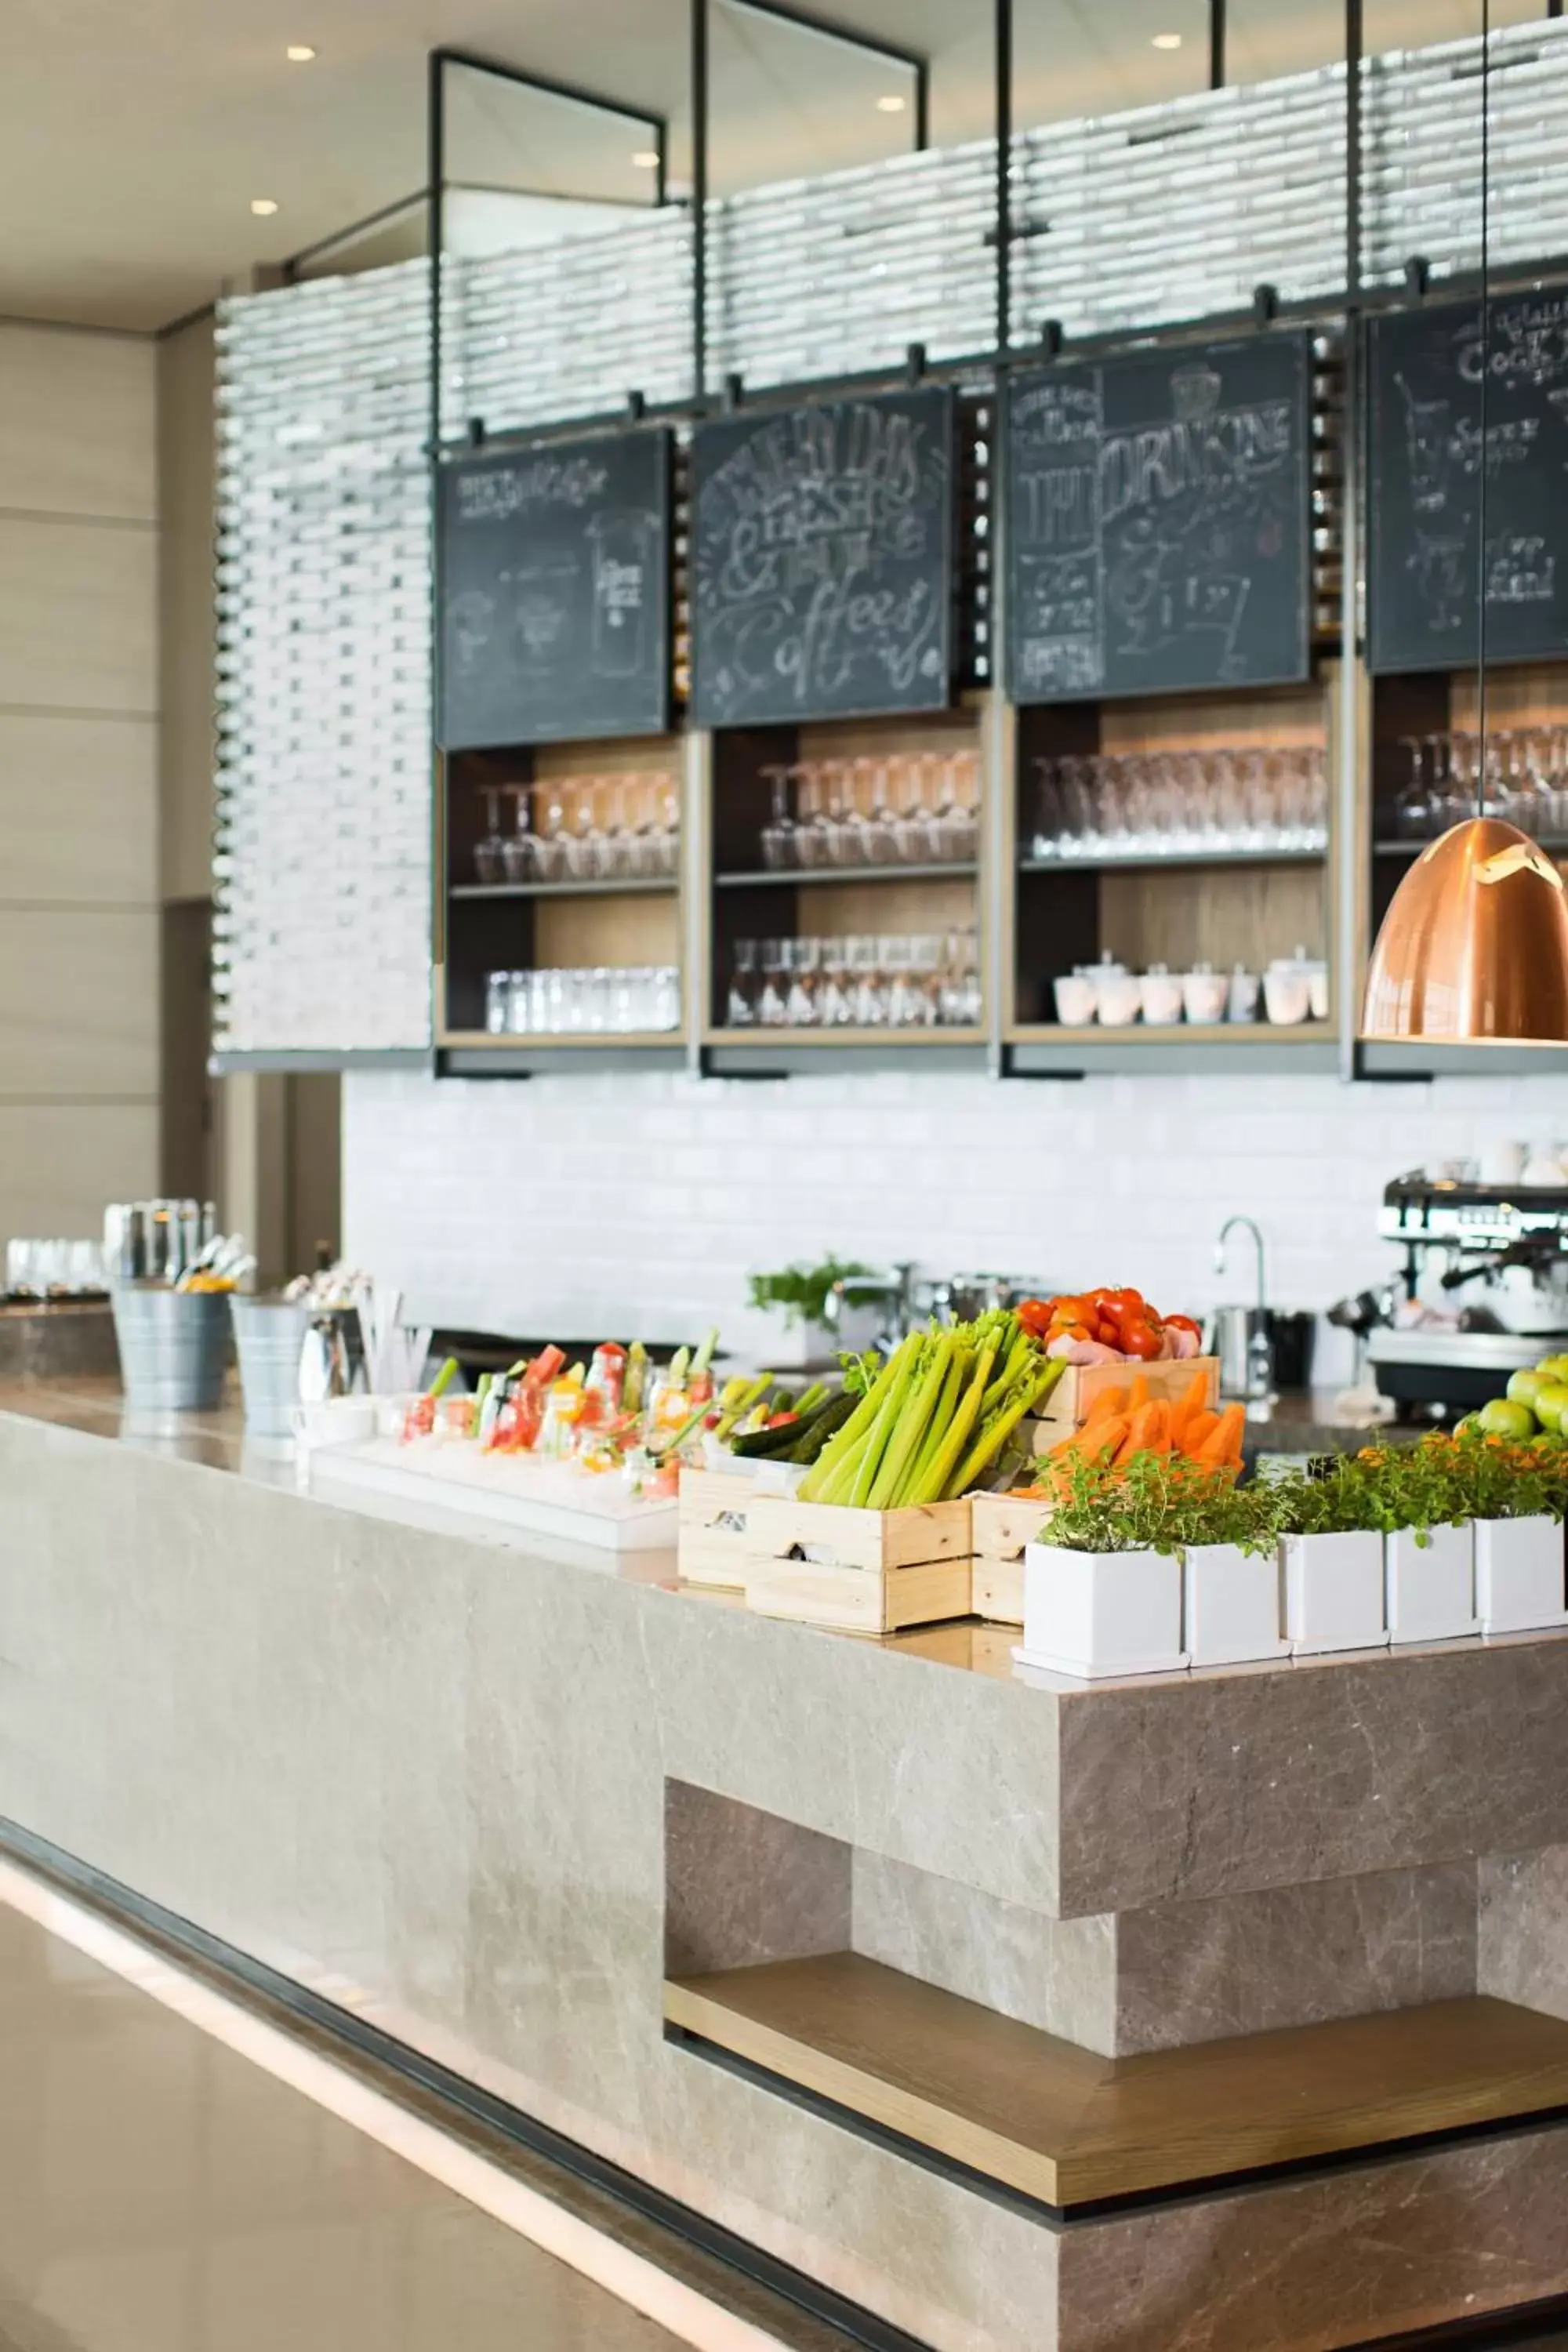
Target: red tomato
x=1141 y=1340
x=1183 y=1323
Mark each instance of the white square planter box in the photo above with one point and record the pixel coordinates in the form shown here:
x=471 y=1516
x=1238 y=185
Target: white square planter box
x=1431 y=1587
x=1518 y=1575
x=1096 y=1614
x=1233 y=1607
x=1334 y=1593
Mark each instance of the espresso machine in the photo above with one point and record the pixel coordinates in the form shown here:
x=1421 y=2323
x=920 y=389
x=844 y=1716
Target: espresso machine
x=1483 y=1291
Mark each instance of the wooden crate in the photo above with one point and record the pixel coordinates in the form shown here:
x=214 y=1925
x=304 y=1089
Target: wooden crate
x=712 y=1541
x=1004 y=1524
x=857 y=1571
x=1067 y=1407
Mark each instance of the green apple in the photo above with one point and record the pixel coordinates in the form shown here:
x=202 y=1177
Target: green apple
x=1524 y=1387
x=1555 y=1368
x=1469 y=1427
x=1551 y=1405
x=1501 y=1418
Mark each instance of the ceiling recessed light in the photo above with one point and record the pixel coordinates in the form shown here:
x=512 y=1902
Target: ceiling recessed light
x=263 y=205
x=1167 y=41
x=891 y=104
x=299 y=52
x=647 y=159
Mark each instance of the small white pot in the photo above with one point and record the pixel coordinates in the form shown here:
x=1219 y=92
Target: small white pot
x=1233 y=1607
x=1519 y=1575
x=1431 y=1587
x=1095 y=1615
x=1334 y=1593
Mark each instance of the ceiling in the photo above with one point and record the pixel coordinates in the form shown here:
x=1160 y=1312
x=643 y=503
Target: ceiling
x=135 y=133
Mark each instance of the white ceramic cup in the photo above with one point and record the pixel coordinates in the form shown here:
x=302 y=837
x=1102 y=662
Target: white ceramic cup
x=1078 y=1000
x=334 y=1421
x=1287 y=996
x=1160 y=994
x=1205 y=995
x=1120 y=999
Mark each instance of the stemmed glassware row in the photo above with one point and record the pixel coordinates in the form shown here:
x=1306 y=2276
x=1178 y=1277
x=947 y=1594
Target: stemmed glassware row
x=858 y=980
x=1102 y=806
x=1518 y=773
x=582 y=828
x=915 y=808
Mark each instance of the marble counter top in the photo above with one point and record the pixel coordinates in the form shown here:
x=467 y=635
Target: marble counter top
x=490 y=1794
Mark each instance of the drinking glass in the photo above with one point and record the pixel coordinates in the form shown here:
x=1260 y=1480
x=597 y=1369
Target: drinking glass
x=835 y=1002
x=813 y=839
x=552 y=846
x=779 y=833
x=490 y=854
x=773 y=1004
x=879 y=840
x=958 y=822
x=498 y=1006
x=517 y=847
x=741 y=1010
x=615 y=844
x=804 y=964
x=865 y=971
x=667 y=792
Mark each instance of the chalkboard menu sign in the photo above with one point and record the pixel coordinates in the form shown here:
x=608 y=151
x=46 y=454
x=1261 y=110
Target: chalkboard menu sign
x=1425 y=560
x=822 y=557
x=556 y=591
x=1158 y=526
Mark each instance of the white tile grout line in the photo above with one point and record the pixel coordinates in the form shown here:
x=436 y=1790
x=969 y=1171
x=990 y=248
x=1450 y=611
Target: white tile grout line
x=628 y=2276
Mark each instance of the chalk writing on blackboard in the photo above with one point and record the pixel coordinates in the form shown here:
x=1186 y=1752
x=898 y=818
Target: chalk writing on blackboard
x=822 y=542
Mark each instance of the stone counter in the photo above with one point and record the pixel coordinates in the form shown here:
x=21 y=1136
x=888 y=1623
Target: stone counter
x=488 y=1796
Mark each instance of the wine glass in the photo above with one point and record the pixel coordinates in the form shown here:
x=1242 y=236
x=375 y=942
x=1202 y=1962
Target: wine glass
x=773 y=1004
x=779 y=833
x=804 y=960
x=517 y=846
x=836 y=1003
x=741 y=1007
x=489 y=854
x=814 y=835
x=879 y=837
x=552 y=848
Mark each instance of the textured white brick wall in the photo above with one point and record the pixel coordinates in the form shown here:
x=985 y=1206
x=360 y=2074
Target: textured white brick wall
x=633 y=1204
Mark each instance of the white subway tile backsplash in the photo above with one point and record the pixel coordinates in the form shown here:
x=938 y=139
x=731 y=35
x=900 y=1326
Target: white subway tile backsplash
x=640 y=1203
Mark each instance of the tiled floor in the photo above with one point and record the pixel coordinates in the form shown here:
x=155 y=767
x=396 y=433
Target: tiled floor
x=159 y=2194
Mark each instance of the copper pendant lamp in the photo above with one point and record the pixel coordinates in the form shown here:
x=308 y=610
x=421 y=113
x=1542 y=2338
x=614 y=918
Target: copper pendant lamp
x=1474 y=949
x=1475 y=945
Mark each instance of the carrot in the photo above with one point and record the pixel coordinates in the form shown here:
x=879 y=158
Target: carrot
x=1138 y=1395
x=1193 y=1433
x=1193 y=1402
x=1148 y=1432
x=1223 y=1444
x=1109 y=1400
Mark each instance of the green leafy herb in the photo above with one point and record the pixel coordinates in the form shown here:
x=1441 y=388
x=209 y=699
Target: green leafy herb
x=800 y=1293
x=1157 y=1502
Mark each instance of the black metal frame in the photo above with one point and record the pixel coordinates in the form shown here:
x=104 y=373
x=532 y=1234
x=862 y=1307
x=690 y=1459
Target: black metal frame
x=828 y=28
x=1216 y=44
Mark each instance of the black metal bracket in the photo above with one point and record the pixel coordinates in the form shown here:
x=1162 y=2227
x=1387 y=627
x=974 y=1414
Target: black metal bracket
x=1053 y=335
x=1417 y=276
x=1216 y=44
x=915 y=363
x=1265 y=304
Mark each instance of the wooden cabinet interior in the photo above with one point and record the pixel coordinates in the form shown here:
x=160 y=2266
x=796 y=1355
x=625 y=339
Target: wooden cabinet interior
x=1229 y=907
x=752 y=786
x=1521 y=697
x=575 y=922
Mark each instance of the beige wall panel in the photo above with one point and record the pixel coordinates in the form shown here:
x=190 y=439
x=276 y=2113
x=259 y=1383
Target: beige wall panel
x=76 y=430
x=79 y=809
x=60 y=1162
x=186 y=588
x=79 y=1003
x=78 y=623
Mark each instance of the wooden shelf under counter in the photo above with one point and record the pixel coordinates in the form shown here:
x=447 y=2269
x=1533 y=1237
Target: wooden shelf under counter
x=1049 y=2120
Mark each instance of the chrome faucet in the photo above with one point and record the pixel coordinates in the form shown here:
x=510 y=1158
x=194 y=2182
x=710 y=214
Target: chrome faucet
x=1259 y=1353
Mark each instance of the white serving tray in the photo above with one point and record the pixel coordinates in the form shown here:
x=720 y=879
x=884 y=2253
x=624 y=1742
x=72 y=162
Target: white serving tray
x=507 y=1490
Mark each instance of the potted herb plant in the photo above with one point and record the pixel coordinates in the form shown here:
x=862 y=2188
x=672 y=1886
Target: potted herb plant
x=1233 y=1606
x=1516 y=1495
x=1102 y=1595
x=817 y=1310
x=1331 y=1526
x=1428 y=1545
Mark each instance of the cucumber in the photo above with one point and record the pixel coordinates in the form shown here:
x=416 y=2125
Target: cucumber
x=811 y=1441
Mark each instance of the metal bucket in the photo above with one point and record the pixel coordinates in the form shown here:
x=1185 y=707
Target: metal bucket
x=269 y=1334
x=173 y=1347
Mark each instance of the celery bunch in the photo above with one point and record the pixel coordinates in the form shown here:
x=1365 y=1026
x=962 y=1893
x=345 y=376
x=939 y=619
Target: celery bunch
x=941 y=1409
